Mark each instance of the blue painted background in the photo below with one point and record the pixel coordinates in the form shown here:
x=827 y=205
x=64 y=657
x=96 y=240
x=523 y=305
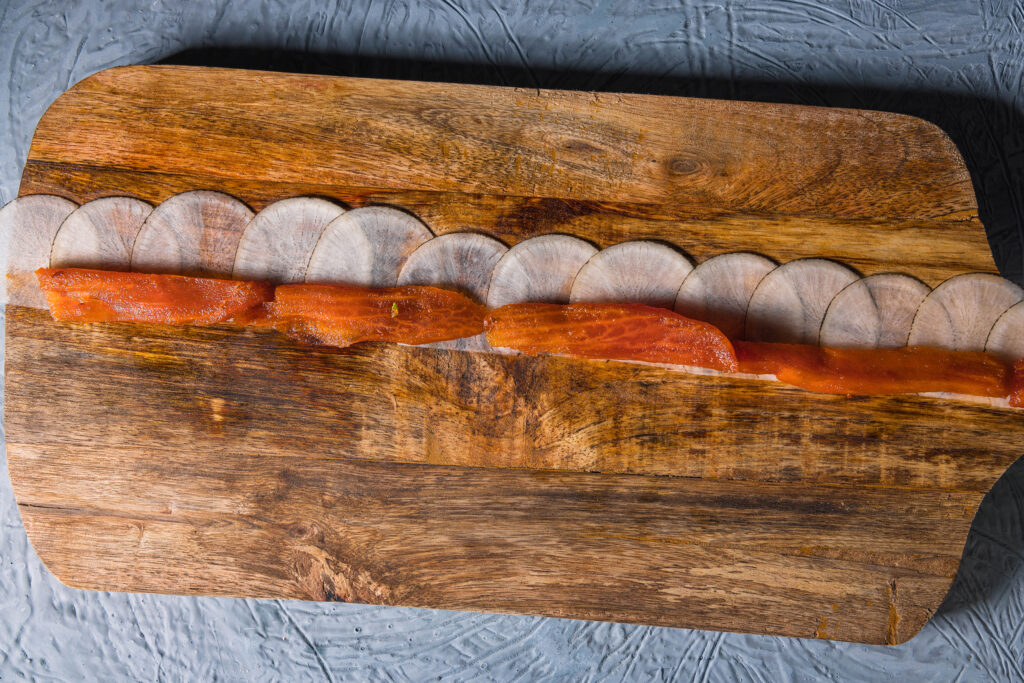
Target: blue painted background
x=959 y=64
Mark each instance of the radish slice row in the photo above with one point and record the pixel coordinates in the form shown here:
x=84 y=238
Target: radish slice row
x=306 y=238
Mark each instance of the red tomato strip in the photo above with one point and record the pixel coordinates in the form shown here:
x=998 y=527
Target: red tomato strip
x=610 y=331
x=84 y=295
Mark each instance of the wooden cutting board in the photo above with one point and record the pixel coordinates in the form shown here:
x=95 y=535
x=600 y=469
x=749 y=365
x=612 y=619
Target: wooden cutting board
x=226 y=462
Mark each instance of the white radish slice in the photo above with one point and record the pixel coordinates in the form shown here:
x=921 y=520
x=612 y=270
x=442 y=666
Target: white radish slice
x=462 y=261
x=540 y=269
x=27 y=227
x=639 y=272
x=100 y=234
x=719 y=289
x=875 y=312
x=192 y=233
x=789 y=304
x=959 y=313
x=1006 y=339
x=367 y=247
x=279 y=241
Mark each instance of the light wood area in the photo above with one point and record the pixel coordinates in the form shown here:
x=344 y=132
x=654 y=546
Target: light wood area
x=219 y=461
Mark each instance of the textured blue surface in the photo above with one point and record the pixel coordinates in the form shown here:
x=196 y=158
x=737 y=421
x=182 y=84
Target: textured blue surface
x=959 y=64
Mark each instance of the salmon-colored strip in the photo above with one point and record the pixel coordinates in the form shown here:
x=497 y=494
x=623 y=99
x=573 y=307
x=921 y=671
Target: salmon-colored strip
x=909 y=370
x=610 y=331
x=341 y=315
x=1017 y=385
x=85 y=295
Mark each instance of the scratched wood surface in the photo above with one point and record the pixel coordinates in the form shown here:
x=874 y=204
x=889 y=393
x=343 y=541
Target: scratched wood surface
x=235 y=462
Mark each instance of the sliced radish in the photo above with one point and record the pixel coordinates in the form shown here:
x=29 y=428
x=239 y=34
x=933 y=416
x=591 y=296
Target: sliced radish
x=279 y=241
x=27 y=228
x=636 y=272
x=192 y=233
x=959 y=313
x=540 y=269
x=100 y=234
x=875 y=312
x=789 y=304
x=1006 y=339
x=366 y=246
x=462 y=261
x=718 y=290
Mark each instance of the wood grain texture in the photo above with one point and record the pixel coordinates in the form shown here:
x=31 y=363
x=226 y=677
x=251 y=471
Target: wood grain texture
x=227 y=462
x=216 y=390
x=609 y=547
x=215 y=484
x=563 y=145
x=875 y=190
